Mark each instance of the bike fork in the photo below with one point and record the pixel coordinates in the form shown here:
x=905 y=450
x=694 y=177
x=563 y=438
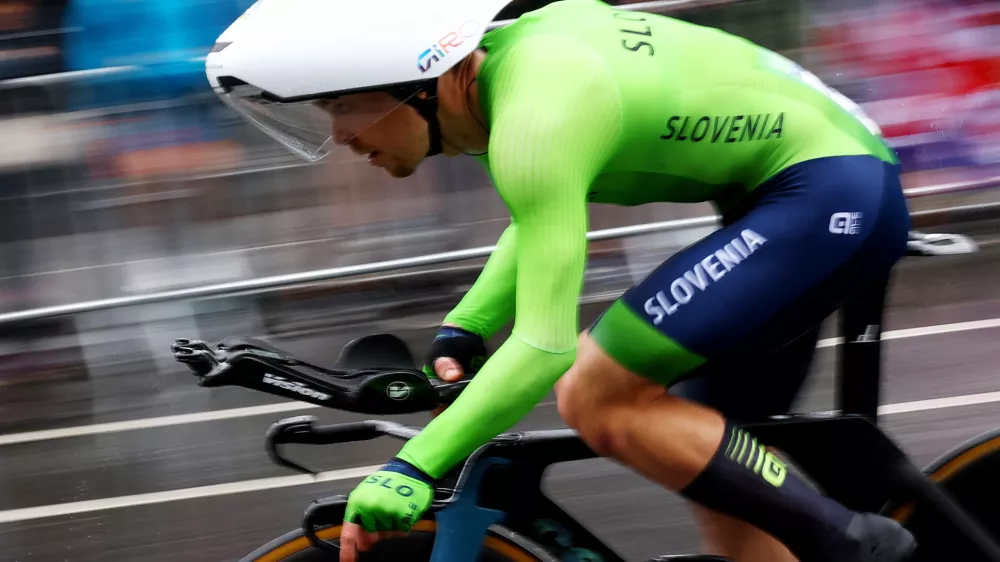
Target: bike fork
x=462 y=525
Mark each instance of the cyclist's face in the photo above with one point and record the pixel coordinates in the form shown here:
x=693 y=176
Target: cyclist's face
x=377 y=125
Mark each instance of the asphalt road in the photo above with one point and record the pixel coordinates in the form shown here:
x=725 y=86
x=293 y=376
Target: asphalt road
x=634 y=516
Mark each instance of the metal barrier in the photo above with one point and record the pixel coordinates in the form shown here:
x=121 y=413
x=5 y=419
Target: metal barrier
x=254 y=286
x=258 y=285
x=956 y=187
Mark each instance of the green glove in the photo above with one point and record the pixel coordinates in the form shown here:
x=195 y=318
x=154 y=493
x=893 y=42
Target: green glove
x=392 y=499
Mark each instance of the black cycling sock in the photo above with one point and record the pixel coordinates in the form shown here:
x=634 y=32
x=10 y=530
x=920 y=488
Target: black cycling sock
x=746 y=481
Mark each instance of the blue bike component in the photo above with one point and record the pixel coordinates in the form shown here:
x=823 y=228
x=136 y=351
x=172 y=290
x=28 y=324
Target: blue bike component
x=462 y=525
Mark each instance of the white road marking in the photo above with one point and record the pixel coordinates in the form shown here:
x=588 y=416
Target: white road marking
x=129 y=425
x=215 y=415
x=72 y=508
x=260 y=484
x=939 y=403
x=924 y=331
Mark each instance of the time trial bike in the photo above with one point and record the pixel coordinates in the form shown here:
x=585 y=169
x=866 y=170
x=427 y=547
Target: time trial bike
x=492 y=508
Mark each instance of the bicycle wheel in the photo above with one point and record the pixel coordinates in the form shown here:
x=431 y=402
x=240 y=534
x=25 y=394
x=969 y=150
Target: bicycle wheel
x=968 y=473
x=414 y=547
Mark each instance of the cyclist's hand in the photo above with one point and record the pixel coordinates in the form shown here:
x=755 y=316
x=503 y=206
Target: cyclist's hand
x=453 y=353
x=354 y=540
x=386 y=503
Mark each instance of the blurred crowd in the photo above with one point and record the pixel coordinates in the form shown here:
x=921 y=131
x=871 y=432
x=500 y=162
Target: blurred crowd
x=927 y=71
x=122 y=174
x=118 y=159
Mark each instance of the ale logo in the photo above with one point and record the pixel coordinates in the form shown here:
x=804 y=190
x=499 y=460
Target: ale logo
x=398 y=391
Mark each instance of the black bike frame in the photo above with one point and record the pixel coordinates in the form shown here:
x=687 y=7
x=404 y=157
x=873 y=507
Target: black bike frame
x=501 y=483
x=843 y=452
x=859 y=357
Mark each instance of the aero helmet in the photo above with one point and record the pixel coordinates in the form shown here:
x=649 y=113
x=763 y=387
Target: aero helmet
x=279 y=59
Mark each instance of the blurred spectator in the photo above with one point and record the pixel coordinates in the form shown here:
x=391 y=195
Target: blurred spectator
x=30 y=44
x=928 y=71
x=33 y=160
x=30 y=37
x=157 y=123
x=166 y=40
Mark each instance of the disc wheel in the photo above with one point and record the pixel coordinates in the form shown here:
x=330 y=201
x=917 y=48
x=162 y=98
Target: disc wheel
x=415 y=546
x=969 y=474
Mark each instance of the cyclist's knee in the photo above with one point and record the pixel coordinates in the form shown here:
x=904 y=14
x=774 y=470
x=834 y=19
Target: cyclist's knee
x=572 y=395
x=593 y=390
x=585 y=412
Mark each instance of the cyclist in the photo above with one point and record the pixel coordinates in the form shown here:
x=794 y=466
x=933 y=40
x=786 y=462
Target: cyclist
x=580 y=102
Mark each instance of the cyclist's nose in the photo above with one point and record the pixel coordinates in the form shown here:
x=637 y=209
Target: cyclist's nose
x=341 y=135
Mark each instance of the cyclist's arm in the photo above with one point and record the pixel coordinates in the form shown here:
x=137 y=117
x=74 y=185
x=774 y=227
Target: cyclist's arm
x=489 y=304
x=547 y=144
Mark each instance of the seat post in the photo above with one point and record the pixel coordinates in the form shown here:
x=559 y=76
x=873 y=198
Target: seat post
x=859 y=358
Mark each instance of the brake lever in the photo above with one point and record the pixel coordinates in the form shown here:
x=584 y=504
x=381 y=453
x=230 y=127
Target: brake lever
x=319 y=513
x=448 y=392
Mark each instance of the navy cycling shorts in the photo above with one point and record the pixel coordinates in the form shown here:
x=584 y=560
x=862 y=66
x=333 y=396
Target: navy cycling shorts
x=732 y=320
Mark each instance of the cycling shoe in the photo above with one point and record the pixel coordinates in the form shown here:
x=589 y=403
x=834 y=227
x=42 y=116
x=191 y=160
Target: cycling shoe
x=880 y=539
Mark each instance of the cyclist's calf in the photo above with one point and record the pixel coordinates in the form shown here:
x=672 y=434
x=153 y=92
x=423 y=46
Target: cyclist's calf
x=679 y=444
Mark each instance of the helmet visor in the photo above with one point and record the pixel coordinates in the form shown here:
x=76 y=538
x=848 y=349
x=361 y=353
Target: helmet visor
x=312 y=129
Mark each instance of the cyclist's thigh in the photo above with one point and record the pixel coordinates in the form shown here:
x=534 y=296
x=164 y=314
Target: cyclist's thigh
x=822 y=230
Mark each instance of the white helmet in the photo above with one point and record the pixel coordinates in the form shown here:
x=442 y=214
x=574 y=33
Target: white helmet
x=281 y=56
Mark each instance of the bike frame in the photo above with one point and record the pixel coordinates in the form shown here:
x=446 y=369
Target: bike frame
x=501 y=483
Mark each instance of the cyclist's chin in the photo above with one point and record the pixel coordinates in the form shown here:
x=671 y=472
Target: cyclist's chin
x=398 y=169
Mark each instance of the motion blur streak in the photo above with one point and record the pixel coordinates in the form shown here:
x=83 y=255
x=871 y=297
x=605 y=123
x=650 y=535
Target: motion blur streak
x=71 y=508
x=138 y=181
x=186 y=494
x=216 y=415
